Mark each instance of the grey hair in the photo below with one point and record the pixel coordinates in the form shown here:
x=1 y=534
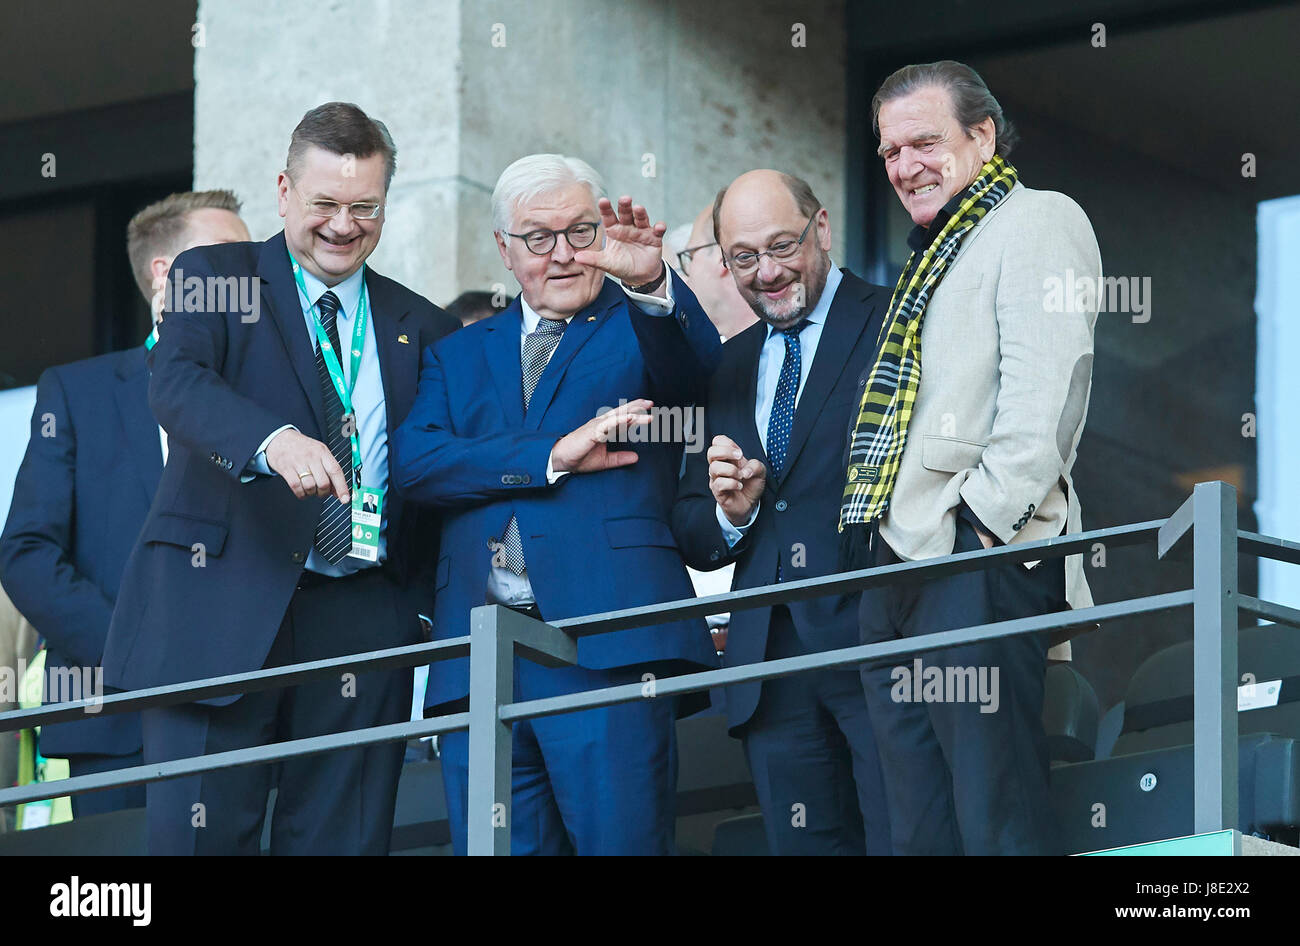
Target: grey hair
x=534 y=175
x=972 y=102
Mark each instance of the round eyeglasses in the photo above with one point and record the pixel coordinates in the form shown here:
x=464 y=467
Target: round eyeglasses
x=579 y=236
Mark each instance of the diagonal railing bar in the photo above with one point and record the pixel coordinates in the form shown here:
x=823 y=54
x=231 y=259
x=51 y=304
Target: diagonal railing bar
x=1267 y=546
x=233 y=758
x=394 y=658
x=862 y=579
x=1269 y=610
x=843 y=657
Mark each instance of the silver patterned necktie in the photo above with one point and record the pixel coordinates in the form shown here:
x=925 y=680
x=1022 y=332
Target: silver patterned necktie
x=539 y=346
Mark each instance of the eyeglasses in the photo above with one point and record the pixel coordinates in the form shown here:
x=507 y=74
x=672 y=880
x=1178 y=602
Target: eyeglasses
x=745 y=261
x=684 y=257
x=361 y=210
x=579 y=236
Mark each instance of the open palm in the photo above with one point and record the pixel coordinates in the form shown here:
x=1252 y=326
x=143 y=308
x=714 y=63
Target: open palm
x=633 y=248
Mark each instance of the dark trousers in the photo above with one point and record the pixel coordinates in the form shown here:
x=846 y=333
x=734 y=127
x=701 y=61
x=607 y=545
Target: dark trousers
x=601 y=781
x=110 y=799
x=329 y=803
x=961 y=778
x=812 y=754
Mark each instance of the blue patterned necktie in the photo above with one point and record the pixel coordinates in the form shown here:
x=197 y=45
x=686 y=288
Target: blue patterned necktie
x=787 y=386
x=539 y=346
x=334 y=528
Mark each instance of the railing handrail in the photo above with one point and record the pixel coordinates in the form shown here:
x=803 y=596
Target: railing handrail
x=498 y=634
x=412 y=655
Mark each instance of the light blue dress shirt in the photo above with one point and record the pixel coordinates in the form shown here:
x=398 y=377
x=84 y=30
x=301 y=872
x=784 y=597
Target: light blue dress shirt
x=770 y=360
x=367 y=401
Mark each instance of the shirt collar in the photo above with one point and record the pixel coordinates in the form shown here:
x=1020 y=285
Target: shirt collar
x=920 y=236
x=818 y=314
x=348 y=291
x=531 y=318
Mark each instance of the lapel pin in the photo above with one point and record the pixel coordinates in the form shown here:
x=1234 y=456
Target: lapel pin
x=403 y=339
x=591 y=318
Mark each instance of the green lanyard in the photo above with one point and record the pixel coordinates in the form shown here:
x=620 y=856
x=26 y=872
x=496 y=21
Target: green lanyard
x=151 y=339
x=333 y=366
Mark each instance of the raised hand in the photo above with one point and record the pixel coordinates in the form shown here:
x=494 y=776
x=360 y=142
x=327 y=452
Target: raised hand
x=633 y=250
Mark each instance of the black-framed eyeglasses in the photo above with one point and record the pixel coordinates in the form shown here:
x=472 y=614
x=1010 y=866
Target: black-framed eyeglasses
x=684 y=257
x=745 y=261
x=540 y=242
x=361 y=210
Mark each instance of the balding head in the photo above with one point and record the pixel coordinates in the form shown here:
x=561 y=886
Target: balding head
x=766 y=212
x=711 y=283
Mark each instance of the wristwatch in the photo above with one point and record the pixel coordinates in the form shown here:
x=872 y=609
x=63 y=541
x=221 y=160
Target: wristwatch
x=653 y=284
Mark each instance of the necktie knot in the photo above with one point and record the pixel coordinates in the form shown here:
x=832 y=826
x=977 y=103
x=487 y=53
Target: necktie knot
x=550 y=327
x=329 y=303
x=792 y=333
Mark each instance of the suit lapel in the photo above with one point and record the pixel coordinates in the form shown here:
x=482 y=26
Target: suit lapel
x=502 y=350
x=280 y=295
x=851 y=311
x=139 y=426
x=579 y=330
x=398 y=362
x=747 y=435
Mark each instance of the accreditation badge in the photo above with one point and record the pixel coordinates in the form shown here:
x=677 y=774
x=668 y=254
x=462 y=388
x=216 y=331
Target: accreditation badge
x=367 y=509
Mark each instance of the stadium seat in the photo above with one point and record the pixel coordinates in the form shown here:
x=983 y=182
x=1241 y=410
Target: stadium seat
x=1070 y=715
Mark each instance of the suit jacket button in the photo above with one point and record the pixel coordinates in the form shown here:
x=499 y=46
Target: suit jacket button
x=298 y=557
x=781 y=505
x=715 y=555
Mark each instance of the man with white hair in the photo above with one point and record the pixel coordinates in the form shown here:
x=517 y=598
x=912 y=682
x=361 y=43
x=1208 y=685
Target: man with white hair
x=544 y=514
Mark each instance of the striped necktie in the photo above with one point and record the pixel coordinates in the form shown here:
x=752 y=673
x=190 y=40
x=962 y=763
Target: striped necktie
x=334 y=528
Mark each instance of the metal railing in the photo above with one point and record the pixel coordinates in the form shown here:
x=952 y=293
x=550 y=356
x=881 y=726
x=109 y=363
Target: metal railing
x=498 y=634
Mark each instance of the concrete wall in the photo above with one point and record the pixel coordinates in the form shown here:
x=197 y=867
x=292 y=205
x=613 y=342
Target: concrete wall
x=669 y=101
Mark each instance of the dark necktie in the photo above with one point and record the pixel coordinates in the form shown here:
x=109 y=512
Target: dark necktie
x=787 y=386
x=334 y=529
x=782 y=418
x=539 y=346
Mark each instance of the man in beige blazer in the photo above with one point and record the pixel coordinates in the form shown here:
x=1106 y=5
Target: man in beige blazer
x=1005 y=367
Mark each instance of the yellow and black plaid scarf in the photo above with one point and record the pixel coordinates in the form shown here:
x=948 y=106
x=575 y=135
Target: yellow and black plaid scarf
x=880 y=433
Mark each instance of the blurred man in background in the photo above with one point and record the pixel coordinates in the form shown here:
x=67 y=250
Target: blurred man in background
x=469 y=307
x=707 y=274
x=84 y=488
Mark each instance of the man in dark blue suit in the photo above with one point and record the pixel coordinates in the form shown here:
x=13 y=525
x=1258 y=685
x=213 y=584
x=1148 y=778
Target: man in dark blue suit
x=511 y=436
x=249 y=557
x=767 y=496
x=83 y=490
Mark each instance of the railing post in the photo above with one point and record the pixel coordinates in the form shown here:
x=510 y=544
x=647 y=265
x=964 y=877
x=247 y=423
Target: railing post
x=491 y=683
x=1214 y=623
x=496 y=635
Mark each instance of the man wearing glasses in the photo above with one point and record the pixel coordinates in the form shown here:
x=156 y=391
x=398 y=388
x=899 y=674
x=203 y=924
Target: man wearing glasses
x=766 y=496
x=259 y=550
x=532 y=432
x=707 y=274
